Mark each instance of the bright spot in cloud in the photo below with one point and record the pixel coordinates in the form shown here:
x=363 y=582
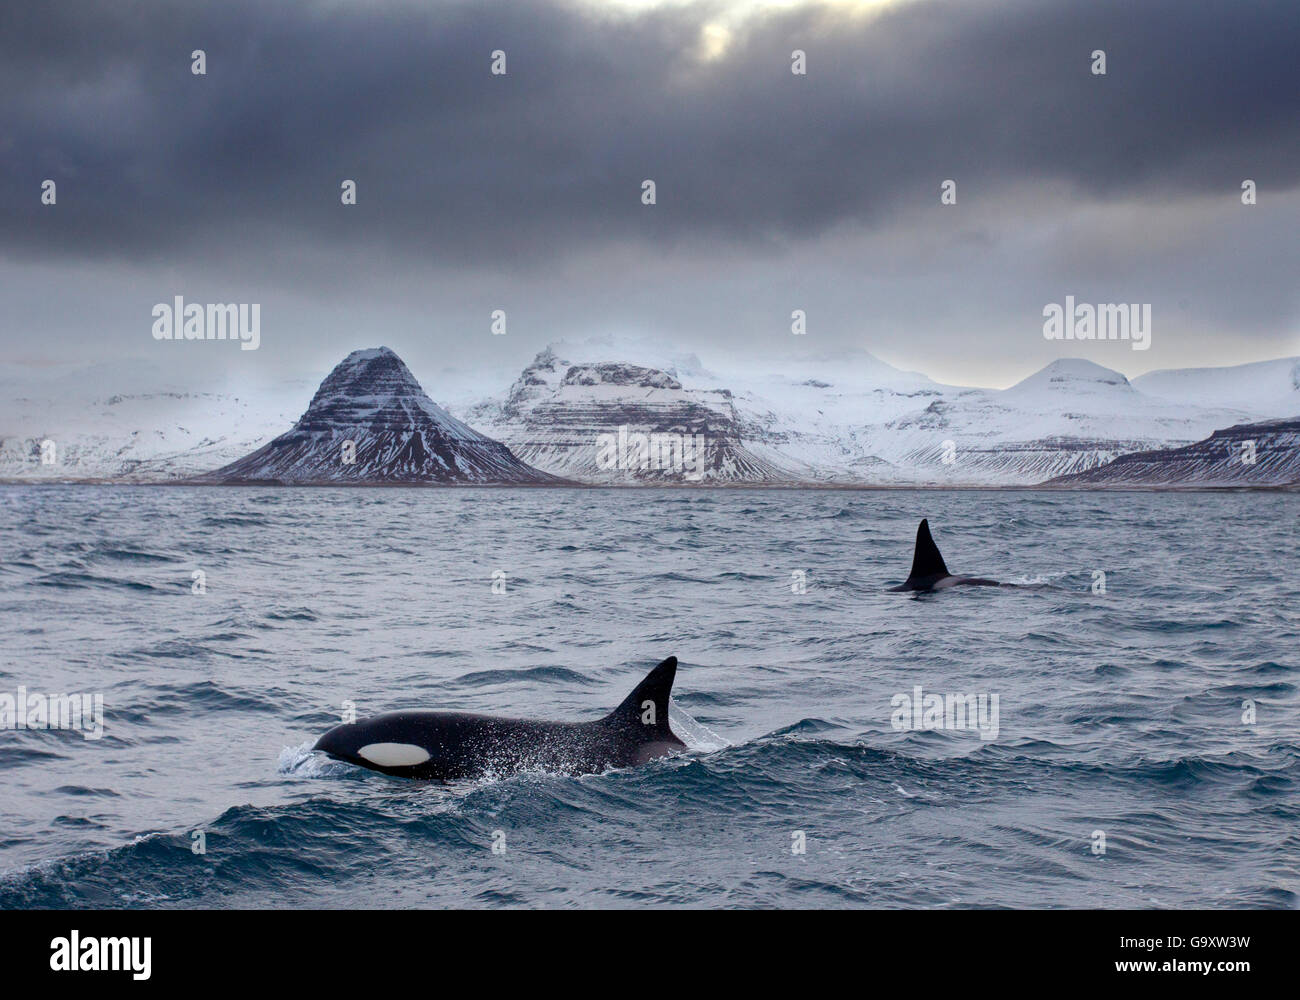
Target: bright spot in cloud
x=714 y=40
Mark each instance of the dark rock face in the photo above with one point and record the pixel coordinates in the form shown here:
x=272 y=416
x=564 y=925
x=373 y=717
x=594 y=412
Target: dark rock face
x=1260 y=454
x=629 y=376
x=371 y=422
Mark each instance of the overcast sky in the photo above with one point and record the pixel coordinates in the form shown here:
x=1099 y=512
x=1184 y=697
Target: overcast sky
x=775 y=191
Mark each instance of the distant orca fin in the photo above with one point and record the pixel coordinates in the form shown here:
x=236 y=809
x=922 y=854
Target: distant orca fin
x=653 y=691
x=926 y=560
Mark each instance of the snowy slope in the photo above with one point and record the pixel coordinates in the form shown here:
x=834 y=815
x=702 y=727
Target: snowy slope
x=1070 y=416
x=1271 y=387
x=371 y=422
x=132 y=422
x=819 y=417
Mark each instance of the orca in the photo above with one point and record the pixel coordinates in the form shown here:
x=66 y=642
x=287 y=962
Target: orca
x=451 y=745
x=929 y=571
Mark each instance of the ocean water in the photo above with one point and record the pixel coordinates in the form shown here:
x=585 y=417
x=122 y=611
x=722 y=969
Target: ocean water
x=1120 y=715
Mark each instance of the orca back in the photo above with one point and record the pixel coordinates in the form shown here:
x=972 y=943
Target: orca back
x=449 y=745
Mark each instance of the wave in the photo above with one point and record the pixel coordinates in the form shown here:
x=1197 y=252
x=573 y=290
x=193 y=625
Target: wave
x=488 y=678
x=70 y=580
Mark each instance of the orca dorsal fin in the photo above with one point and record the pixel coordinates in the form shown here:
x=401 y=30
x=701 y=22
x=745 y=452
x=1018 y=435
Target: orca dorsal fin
x=656 y=688
x=926 y=560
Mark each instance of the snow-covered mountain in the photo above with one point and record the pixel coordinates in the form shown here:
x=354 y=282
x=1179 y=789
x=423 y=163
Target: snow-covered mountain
x=634 y=412
x=857 y=420
x=1271 y=387
x=608 y=422
x=132 y=422
x=818 y=416
x=1260 y=454
x=1069 y=416
x=371 y=422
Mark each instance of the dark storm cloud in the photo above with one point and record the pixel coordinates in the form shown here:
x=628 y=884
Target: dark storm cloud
x=456 y=165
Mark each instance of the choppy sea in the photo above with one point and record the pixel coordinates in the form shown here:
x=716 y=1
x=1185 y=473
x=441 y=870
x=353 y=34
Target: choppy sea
x=1145 y=750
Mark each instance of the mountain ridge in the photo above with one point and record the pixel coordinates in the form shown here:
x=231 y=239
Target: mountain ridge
x=862 y=422
x=370 y=421
x=1265 y=453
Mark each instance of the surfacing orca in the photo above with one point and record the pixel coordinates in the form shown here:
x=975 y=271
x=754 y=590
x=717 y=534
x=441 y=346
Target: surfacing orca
x=929 y=571
x=448 y=745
